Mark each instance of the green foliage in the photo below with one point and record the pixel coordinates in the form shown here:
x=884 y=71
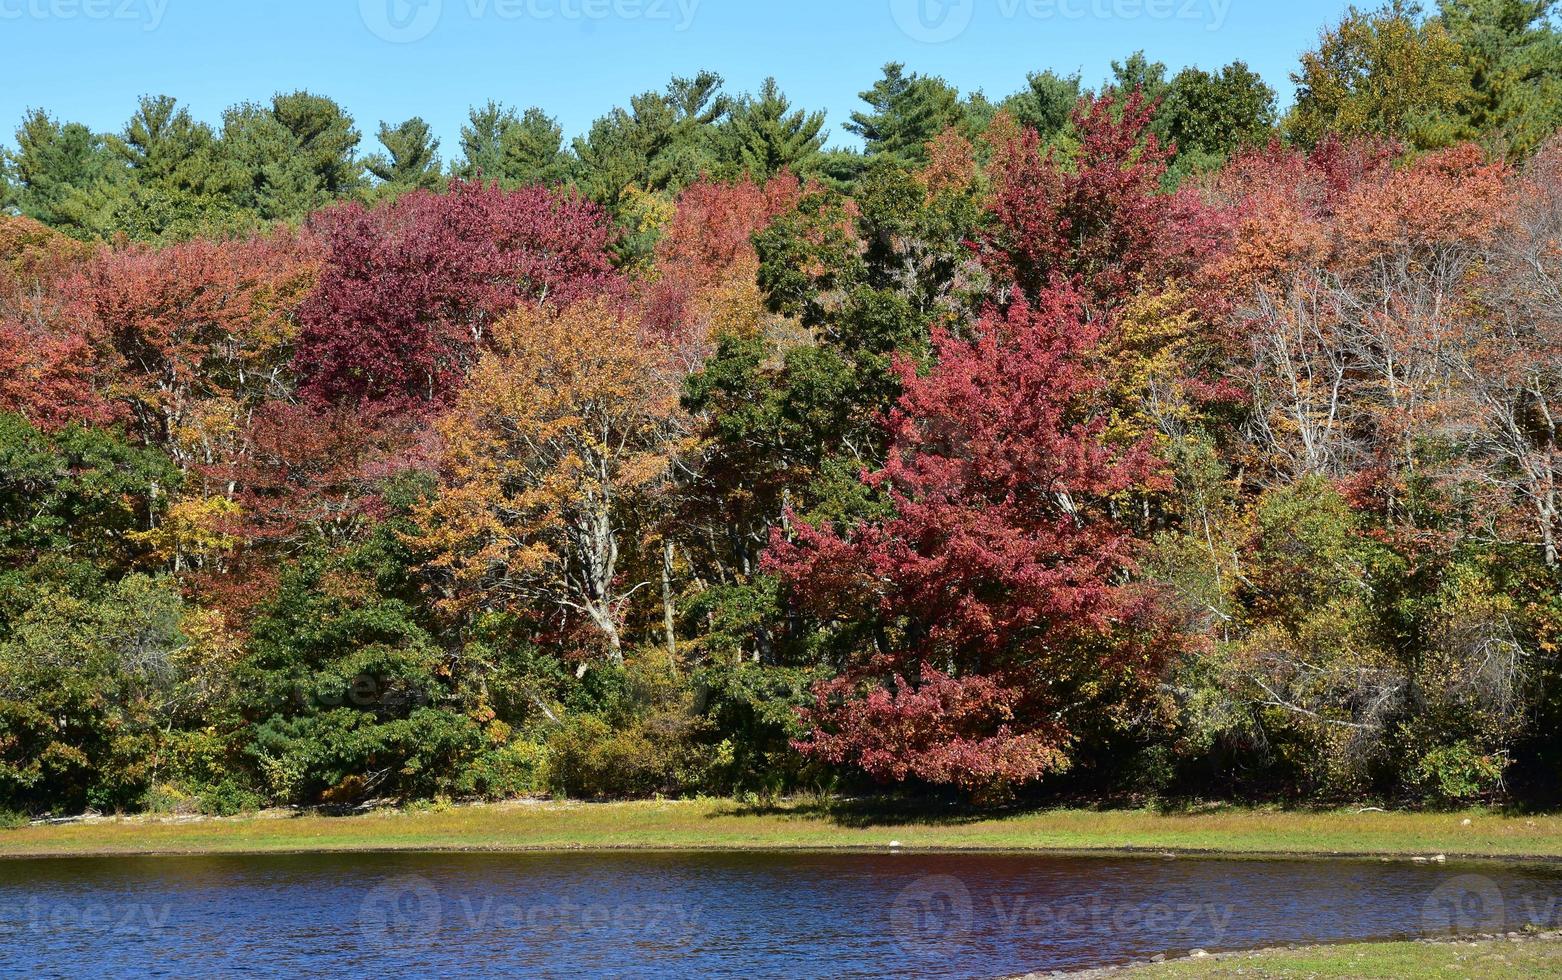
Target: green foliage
x=355 y=697
x=1212 y=115
x=62 y=173
x=1458 y=773
x=515 y=150
x=411 y=158
x=664 y=141
x=905 y=111
x=347 y=756
x=1513 y=51
x=1047 y=104
x=763 y=136
x=88 y=687
x=633 y=732
x=70 y=504
x=755 y=707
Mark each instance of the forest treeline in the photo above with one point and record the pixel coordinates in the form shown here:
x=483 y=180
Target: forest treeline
x=1135 y=440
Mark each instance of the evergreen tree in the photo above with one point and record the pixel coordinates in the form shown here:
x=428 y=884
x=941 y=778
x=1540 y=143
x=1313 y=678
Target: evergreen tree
x=1514 y=53
x=1139 y=72
x=163 y=145
x=496 y=144
x=59 y=170
x=905 y=112
x=662 y=142
x=1046 y=104
x=763 y=135
x=482 y=140
x=412 y=155
x=265 y=170
x=534 y=151
x=325 y=137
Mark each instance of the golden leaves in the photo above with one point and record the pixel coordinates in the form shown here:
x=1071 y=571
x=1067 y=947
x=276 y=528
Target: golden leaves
x=567 y=426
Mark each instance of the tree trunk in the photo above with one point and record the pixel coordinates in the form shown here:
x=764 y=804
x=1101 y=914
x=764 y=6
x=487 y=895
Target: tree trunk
x=668 y=618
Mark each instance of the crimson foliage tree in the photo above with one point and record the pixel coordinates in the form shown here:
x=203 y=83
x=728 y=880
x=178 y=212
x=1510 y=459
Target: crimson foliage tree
x=1099 y=220
x=1000 y=578
x=409 y=289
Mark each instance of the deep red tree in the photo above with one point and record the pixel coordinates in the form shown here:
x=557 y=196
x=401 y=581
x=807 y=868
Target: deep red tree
x=1000 y=579
x=1100 y=220
x=409 y=289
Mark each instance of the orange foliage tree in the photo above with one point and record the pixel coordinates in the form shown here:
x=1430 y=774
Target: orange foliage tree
x=564 y=435
x=706 y=265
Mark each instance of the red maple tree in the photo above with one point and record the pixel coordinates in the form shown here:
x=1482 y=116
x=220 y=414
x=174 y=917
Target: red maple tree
x=409 y=289
x=1000 y=580
x=1100 y=220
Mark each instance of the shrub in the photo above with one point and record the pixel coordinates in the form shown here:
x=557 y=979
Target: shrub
x=654 y=754
x=1458 y=773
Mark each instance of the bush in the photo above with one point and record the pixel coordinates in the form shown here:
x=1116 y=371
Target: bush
x=587 y=757
x=1458 y=774
x=519 y=768
x=344 y=756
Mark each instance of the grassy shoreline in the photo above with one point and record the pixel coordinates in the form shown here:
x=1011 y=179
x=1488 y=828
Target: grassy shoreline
x=1490 y=957
x=725 y=825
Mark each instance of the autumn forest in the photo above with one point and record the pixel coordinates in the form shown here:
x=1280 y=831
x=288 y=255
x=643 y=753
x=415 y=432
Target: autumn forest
x=1139 y=438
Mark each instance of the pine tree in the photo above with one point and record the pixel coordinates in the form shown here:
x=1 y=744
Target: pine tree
x=163 y=144
x=326 y=138
x=763 y=135
x=905 y=112
x=664 y=141
x=413 y=159
x=482 y=140
x=1046 y=104
x=265 y=170
x=496 y=144
x=1514 y=54
x=61 y=173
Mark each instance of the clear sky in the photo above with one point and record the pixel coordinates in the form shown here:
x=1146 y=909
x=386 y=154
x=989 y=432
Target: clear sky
x=88 y=60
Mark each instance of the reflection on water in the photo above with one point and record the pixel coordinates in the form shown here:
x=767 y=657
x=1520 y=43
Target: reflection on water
x=824 y=915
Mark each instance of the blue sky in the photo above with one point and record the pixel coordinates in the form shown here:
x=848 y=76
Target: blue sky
x=88 y=60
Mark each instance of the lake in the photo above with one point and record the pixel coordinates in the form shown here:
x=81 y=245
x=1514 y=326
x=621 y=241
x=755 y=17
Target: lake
x=718 y=914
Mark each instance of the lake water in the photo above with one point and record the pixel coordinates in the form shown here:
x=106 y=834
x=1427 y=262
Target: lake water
x=717 y=915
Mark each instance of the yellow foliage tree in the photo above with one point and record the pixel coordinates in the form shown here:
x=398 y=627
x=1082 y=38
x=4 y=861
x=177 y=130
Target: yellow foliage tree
x=561 y=441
